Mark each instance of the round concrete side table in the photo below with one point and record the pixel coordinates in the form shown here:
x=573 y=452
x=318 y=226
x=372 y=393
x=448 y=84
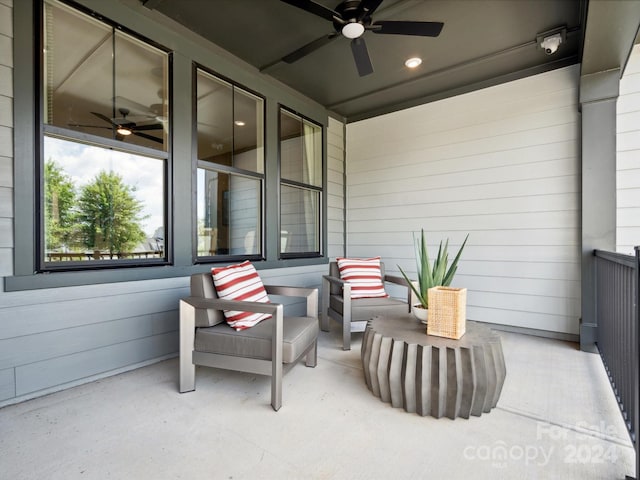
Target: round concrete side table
x=432 y=375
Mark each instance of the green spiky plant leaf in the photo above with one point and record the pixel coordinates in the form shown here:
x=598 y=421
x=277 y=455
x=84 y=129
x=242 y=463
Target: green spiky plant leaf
x=440 y=273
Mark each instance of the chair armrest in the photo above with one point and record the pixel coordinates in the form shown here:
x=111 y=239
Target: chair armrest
x=311 y=294
x=242 y=306
x=397 y=280
x=346 y=291
x=334 y=280
x=402 y=281
x=288 y=291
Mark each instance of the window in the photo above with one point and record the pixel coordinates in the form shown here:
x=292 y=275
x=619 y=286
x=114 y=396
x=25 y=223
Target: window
x=85 y=68
x=230 y=174
x=105 y=143
x=300 y=186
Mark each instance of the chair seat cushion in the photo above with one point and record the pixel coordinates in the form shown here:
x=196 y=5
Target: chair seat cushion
x=367 y=308
x=298 y=334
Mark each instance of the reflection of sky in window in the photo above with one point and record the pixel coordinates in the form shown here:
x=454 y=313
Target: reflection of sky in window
x=201 y=195
x=83 y=162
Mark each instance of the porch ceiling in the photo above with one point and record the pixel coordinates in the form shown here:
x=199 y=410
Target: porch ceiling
x=482 y=43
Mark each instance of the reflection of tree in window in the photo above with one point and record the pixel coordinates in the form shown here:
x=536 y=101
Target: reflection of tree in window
x=109 y=215
x=60 y=199
x=81 y=187
x=105 y=116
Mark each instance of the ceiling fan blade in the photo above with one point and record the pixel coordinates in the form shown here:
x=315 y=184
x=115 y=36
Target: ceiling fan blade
x=423 y=29
x=155 y=126
x=105 y=118
x=88 y=126
x=134 y=108
x=315 y=8
x=361 y=56
x=308 y=48
x=367 y=7
x=148 y=137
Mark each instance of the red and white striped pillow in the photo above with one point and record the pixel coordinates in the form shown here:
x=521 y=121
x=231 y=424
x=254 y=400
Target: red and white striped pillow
x=364 y=276
x=240 y=282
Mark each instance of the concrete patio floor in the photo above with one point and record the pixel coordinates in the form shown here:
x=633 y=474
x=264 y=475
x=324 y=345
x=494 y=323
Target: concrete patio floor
x=556 y=419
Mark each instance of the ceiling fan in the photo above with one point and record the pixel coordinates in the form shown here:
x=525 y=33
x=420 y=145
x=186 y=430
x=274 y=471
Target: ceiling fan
x=157 y=111
x=351 y=19
x=123 y=126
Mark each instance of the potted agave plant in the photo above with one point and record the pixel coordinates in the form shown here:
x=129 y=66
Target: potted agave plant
x=431 y=275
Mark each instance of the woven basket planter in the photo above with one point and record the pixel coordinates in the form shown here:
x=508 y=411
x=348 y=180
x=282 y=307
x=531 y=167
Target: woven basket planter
x=447 y=312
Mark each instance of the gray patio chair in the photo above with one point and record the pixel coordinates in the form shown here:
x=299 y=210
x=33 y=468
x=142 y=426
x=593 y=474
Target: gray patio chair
x=269 y=348
x=353 y=314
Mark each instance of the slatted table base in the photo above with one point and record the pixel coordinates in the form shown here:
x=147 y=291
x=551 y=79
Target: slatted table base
x=432 y=375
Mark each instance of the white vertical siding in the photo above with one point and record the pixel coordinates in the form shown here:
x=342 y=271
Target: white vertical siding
x=335 y=188
x=501 y=164
x=628 y=157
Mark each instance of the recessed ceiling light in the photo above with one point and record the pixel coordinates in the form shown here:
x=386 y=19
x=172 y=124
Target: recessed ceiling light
x=413 y=62
x=239 y=123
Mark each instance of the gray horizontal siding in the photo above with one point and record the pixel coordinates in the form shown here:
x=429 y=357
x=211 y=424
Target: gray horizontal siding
x=6 y=142
x=73 y=367
x=50 y=339
x=80 y=313
x=7 y=384
x=6 y=227
x=335 y=188
x=501 y=164
x=32 y=348
x=6 y=171
x=6 y=80
x=6 y=111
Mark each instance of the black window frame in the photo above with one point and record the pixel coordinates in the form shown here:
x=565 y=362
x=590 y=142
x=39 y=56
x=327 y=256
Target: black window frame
x=229 y=170
x=321 y=190
x=185 y=50
x=42 y=129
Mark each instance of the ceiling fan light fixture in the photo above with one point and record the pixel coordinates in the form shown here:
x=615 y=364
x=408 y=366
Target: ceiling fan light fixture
x=124 y=131
x=413 y=62
x=353 y=30
x=351 y=18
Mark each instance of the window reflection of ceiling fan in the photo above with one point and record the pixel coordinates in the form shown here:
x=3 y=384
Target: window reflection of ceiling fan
x=155 y=110
x=124 y=127
x=351 y=19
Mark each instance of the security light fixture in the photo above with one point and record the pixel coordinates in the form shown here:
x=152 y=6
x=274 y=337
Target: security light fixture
x=551 y=40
